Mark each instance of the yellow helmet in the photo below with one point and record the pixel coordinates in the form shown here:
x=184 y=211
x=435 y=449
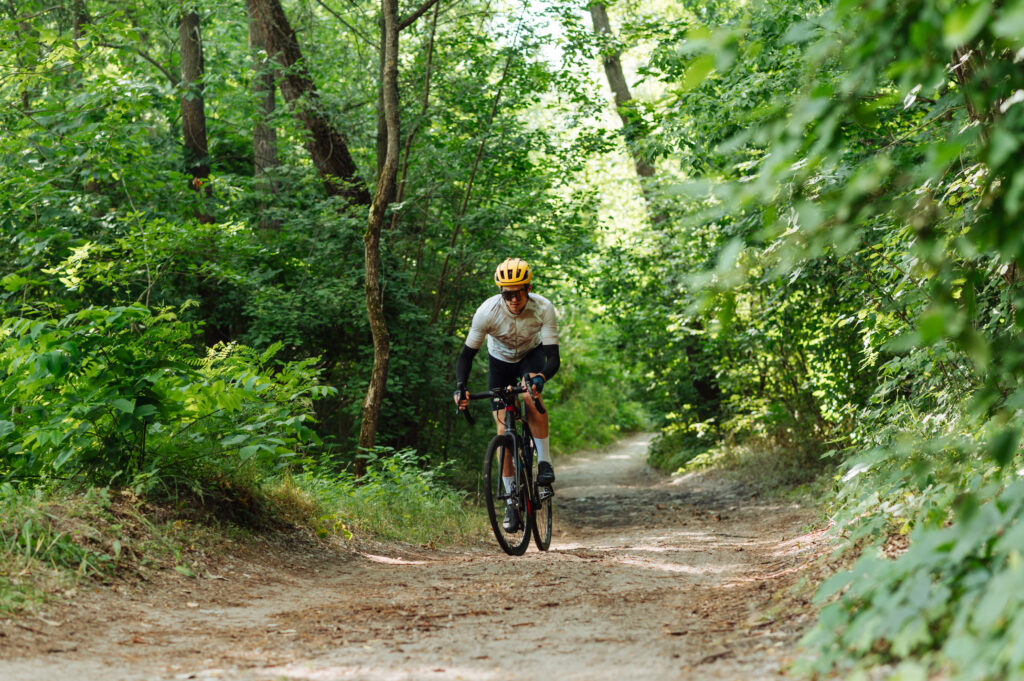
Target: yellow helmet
x=513 y=272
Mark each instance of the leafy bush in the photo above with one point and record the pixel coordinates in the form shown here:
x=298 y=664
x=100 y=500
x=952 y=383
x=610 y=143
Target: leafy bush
x=952 y=604
x=591 y=397
x=680 y=440
x=400 y=497
x=46 y=545
x=118 y=395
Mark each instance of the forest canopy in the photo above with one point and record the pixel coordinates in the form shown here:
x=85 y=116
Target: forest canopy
x=253 y=234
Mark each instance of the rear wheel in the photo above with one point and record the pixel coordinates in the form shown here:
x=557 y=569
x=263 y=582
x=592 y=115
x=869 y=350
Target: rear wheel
x=541 y=506
x=497 y=499
x=541 y=521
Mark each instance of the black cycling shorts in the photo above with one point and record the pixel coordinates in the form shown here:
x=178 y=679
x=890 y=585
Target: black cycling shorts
x=501 y=374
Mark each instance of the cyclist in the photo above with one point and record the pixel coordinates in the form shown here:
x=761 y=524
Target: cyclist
x=522 y=340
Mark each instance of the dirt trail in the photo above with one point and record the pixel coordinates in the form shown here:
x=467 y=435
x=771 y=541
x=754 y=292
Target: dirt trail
x=648 y=577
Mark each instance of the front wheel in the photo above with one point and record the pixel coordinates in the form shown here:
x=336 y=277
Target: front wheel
x=541 y=519
x=498 y=498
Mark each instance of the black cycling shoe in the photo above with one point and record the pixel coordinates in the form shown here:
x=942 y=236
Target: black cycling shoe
x=511 y=521
x=545 y=473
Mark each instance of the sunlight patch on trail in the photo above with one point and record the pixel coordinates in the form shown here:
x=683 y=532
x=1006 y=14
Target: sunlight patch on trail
x=332 y=673
x=392 y=561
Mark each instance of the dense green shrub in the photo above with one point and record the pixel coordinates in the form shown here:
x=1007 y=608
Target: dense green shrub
x=400 y=497
x=119 y=395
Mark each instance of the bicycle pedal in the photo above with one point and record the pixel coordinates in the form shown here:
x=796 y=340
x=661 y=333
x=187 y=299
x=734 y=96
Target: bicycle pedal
x=546 y=492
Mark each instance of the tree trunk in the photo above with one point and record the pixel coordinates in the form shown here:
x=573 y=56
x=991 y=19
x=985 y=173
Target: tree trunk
x=633 y=124
x=382 y=198
x=624 y=104
x=193 y=114
x=264 y=135
x=79 y=18
x=400 y=192
x=327 y=147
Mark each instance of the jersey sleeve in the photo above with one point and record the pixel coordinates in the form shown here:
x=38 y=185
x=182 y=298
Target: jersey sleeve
x=549 y=326
x=478 y=329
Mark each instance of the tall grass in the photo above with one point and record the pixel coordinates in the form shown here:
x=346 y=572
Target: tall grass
x=48 y=542
x=399 y=498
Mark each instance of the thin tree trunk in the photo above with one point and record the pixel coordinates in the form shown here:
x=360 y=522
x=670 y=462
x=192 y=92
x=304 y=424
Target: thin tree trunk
x=371 y=240
x=193 y=113
x=264 y=134
x=326 y=145
x=400 y=193
x=624 y=104
x=633 y=126
x=80 y=17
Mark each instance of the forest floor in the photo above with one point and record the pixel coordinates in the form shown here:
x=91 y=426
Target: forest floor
x=649 y=576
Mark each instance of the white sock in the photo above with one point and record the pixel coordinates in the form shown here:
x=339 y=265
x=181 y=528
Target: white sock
x=508 y=483
x=543 y=448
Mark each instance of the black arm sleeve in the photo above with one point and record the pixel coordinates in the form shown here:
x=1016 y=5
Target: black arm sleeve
x=552 y=363
x=463 y=365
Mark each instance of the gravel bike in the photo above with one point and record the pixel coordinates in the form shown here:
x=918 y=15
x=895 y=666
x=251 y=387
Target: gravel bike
x=530 y=502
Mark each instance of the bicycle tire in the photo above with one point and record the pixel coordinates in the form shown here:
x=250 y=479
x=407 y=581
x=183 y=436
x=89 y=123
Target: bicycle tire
x=542 y=520
x=512 y=543
x=539 y=510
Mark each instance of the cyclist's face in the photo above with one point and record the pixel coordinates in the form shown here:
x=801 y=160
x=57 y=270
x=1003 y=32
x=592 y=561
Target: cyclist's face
x=514 y=297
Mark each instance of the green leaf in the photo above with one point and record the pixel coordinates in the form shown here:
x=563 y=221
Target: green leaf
x=1004 y=444
x=697 y=71
x=932 y=326
x=233 y=440
x=6 y=428
x=127 y=406
x=1010 y=21
x=13 y=282
x=184 y=570
x=144 y=410
x=961 y=25
x=246 y=453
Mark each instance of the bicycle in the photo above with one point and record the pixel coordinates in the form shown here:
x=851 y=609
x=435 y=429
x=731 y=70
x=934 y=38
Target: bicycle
x=529 y=501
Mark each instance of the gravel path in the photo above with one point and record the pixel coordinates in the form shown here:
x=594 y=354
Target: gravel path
x=648 y=577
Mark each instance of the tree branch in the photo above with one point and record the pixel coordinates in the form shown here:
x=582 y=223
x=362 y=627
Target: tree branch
x=347 y=25
x=420 y=11
x=170 y=76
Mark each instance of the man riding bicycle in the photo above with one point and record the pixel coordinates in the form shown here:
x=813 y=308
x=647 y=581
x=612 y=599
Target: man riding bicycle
x=522 y=341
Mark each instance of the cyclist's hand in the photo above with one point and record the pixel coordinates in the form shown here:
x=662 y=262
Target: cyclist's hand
x=461 y=398
x=536 y=384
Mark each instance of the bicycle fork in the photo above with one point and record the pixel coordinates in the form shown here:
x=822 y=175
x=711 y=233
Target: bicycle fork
x=519 y=477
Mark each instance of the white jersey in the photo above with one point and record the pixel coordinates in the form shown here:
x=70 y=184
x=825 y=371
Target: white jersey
x=511 y=336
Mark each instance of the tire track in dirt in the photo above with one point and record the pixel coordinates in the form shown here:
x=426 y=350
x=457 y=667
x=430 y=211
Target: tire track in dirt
x=648 y=577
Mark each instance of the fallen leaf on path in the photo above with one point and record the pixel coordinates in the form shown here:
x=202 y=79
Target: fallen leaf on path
x=707 y=659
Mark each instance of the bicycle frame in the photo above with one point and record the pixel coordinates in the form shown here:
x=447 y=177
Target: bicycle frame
x=519 y=496
x=521 y=467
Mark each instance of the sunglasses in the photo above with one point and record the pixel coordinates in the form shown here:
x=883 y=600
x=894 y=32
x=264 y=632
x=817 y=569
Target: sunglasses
x=512 y=295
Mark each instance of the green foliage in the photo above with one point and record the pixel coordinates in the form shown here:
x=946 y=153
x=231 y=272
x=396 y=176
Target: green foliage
x=401 y=497
x=835 y=269
x=46 y=546
x=680 y=440
x=590 y=397
x=950 y=605
x=118 y=394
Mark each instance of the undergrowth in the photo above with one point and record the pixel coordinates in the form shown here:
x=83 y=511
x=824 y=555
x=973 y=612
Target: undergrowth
x=52 y=539
x=770 y=467
x=399 y=498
